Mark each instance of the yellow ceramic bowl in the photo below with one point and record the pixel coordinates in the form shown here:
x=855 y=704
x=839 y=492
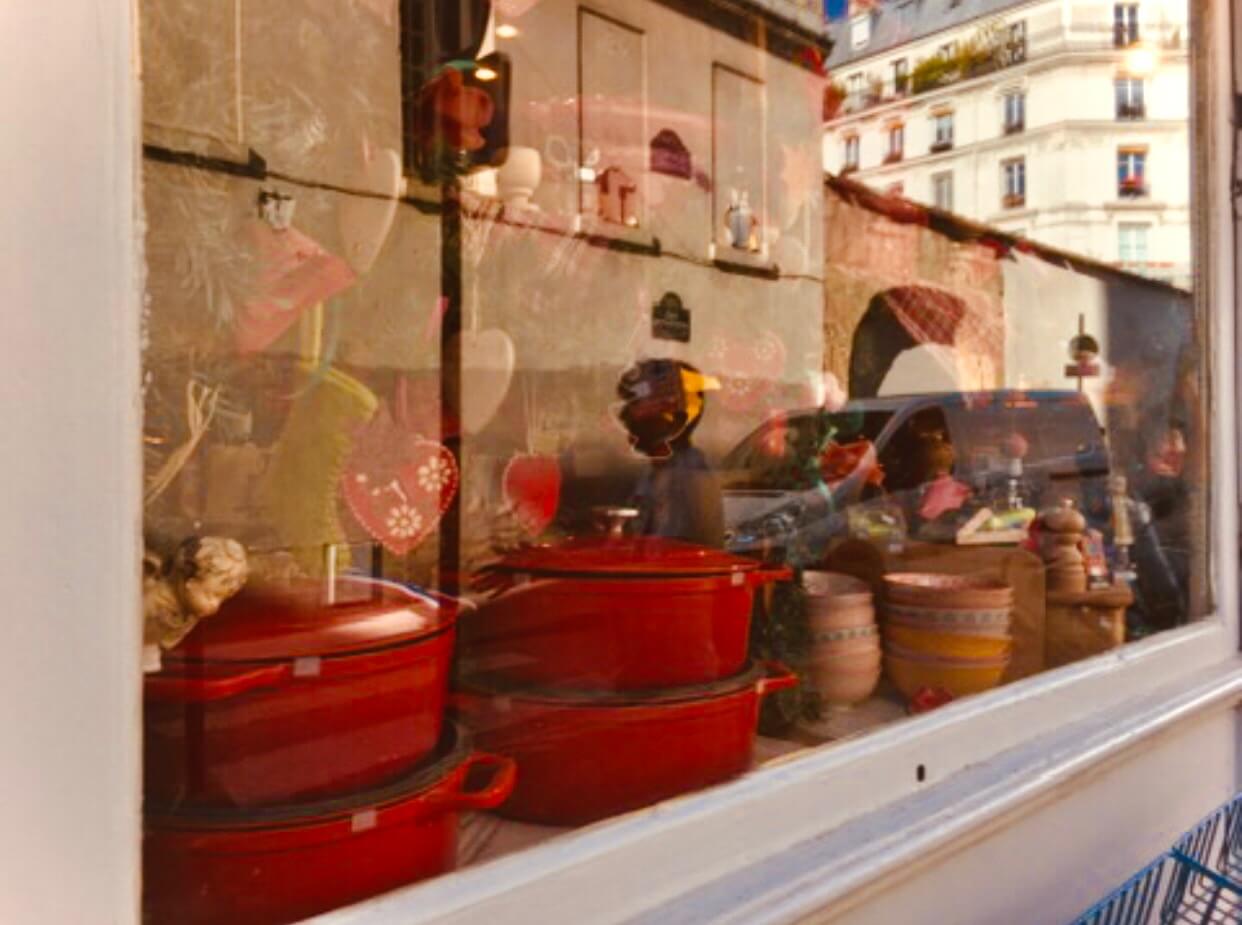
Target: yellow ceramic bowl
x=952 y=645
x=910 y=677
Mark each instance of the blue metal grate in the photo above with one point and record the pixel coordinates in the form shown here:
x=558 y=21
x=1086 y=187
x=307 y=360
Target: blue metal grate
x=1199 y=882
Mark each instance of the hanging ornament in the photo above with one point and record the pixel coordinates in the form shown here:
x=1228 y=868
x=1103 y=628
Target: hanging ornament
x=366 y=217
x=397 y=483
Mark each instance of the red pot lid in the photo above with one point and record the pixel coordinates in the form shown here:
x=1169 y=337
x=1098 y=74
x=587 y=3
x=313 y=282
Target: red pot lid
x=296 y=621
x=625 y=557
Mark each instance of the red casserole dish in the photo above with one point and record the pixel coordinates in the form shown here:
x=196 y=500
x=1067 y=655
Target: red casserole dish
x=265 y=867
x=582 y=758
x=282 y=697
x=615 y=614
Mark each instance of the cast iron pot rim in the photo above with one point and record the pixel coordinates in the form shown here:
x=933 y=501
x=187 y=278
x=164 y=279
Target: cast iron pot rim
x=746 y=679
x=454 y=747
x=172 y=660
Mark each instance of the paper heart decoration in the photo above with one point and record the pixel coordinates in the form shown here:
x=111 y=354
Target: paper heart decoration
x=364 y=221
x=487 y=362
x=532 y=486
x=397 y=484
x=748 y=370
x=293 y=273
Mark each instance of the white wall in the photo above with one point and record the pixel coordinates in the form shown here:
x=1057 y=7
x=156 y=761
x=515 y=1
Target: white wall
x=1049 y=866
x=69 y=545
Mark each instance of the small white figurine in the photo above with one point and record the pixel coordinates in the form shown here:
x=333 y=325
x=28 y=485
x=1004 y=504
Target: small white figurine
x=179 y=591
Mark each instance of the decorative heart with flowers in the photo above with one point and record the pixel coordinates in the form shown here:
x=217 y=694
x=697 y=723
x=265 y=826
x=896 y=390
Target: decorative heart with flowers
x=397 y=483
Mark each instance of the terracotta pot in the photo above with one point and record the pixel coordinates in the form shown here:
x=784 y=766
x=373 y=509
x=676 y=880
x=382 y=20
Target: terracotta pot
x=946 y=592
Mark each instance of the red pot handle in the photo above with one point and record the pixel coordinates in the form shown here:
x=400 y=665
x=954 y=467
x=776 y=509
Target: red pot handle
x=778 y=678
x=203 y=689
x=764 y=575
x=495 y=792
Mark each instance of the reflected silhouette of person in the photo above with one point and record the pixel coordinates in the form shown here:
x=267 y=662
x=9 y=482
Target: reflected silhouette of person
x=679 y=495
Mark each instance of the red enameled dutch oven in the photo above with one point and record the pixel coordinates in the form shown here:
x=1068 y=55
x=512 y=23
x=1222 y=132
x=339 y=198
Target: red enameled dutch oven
x=581 y=758
x=270 y=866
x=283 y=696
x=615 y=614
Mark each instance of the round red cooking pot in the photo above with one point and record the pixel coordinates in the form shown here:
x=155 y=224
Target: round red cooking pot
x=615 y=614
x=284 y=695
x=581 y=758
x=270 y=866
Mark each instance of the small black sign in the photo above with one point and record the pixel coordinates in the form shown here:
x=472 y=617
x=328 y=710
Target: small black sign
x=670 y=320
x=670 y=156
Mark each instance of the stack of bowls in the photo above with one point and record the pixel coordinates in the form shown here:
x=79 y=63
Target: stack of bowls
x=946 y=631
x=844 y=663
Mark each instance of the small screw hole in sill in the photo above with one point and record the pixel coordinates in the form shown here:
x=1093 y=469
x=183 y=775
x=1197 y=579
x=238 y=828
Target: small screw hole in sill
x=921 y=773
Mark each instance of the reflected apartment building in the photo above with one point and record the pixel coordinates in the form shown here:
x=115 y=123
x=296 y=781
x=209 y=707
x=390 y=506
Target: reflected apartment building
x=963 y=105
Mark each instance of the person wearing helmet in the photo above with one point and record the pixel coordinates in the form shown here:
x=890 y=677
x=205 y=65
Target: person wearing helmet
x=679 y=496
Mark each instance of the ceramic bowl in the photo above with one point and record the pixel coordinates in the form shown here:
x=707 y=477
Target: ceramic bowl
x=993 y=630
x=846 y=662
x=846 y=647
x=953 y=645
x=915 y=655
x=910 y=677
x=836 y=601
x=947 y=592
x=841 y=689
x=948 y=617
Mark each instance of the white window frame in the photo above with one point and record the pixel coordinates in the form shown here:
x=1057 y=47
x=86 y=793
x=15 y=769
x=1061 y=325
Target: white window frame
x=895 y=141
x=1008 y=123
x=1126 y=18
x=939 y=122
x=1134 y=90
x=696 y=847
x=851 y=151
x=1128 y=235
x=901 y=74
x=693 y=847
x=1013 y=177
x=942 y=181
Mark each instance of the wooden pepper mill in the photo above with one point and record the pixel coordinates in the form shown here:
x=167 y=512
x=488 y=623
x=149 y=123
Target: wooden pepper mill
x=1063 y=529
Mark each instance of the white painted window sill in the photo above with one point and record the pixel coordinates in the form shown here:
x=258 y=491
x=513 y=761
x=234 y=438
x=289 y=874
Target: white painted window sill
x=685 y=849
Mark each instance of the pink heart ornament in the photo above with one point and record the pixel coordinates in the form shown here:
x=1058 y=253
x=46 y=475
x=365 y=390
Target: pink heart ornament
x=532 y=486
x=398 y=485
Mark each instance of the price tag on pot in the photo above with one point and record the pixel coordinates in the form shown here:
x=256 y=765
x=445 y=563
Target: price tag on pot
x=738 y=579
x=364 y=820
x=306 y=667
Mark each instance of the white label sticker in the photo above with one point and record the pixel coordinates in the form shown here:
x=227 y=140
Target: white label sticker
x=306 y=667
x=364 y=820
x=738 y=579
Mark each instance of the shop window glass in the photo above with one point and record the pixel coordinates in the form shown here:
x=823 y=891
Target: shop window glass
x=513 y=370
